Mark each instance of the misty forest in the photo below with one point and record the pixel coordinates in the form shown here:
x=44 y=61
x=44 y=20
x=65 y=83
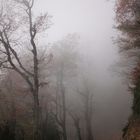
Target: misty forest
x=70 y=70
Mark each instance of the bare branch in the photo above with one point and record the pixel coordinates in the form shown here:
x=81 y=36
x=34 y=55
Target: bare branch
x=32 y=3
x=6 y=46
x=16 y=56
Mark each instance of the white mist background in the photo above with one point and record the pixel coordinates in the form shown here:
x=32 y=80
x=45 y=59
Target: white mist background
x=93 y=20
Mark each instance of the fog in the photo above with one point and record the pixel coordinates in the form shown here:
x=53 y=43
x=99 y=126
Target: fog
x=93 y=21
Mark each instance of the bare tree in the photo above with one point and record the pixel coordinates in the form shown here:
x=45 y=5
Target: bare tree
x=76 y=119
x=63 y=66
x=87 y=100
x=10 y=26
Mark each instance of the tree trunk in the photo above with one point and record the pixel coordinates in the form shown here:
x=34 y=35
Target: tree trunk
x=79 y=134
x=62 y=88
x=64 y=133
x=64 y=116
x=88 y=117
x=37 y=118
x=89 y=130
x=77 y=126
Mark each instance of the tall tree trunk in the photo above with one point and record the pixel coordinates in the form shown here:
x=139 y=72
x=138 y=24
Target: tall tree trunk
x=88 y=116
x=64 y=115
x=89 y=130
x=77 y=126
x=79 y=133
x=37 y=123
x=37 y=115
x=63 y=103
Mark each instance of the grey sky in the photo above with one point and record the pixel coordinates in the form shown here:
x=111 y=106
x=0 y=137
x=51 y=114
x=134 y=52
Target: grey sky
x=90 y=18
x=93 y=20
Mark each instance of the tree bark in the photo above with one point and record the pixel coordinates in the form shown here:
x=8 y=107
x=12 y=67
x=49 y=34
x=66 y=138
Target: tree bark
x=88 y=116
x=64 y=114
x=37 y=115
x=62 y=88
x=77 y=126
x=37 y=132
